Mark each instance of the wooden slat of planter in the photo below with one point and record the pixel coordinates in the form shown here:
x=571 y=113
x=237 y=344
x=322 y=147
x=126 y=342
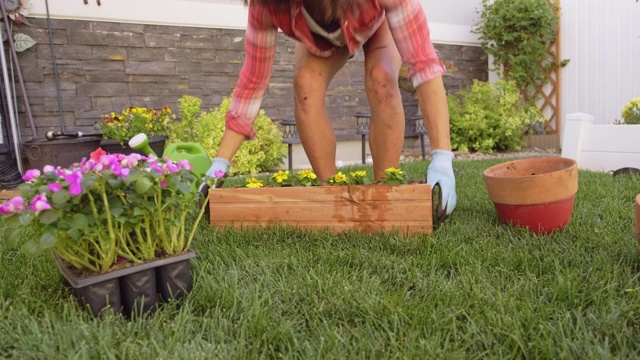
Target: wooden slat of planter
x=371 y=208
x=6 y=195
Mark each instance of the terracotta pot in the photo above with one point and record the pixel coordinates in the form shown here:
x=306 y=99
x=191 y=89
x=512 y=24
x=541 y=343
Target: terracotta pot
x=534 y=193
x=638 y=218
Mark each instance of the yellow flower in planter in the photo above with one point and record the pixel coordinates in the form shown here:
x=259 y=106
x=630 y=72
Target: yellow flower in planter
x=307 y=178
x=135 y=120
x=357 y=177
x=254 y=183
x=337 y=179
x=393 y=176
x=281 y=178
x=631 y=112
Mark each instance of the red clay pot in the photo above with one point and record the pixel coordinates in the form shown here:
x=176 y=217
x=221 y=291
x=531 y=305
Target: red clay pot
x=537 y=194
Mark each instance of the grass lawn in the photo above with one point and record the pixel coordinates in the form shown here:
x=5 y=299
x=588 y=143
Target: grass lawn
x=474 y=289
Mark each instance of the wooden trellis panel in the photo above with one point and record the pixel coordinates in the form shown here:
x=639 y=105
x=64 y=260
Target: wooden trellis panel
x=550 y=93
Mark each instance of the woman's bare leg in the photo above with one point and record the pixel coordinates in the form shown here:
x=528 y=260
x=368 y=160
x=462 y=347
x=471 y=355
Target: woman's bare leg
x=311 y=80
x=386 y=131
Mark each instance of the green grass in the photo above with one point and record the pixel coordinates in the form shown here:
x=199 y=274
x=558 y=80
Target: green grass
x=474 y=289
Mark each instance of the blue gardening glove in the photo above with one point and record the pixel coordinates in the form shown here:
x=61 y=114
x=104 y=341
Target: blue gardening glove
x=219 y=166
x=440 y=172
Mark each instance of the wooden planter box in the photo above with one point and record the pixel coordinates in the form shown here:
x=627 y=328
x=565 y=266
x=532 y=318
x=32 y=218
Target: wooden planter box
x=366 y=208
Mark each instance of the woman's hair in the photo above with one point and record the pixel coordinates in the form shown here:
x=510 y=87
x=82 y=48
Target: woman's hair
x=330 y=9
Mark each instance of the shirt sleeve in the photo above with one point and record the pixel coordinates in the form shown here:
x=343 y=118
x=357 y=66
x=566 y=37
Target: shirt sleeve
x=260 y=46
x=410 y=31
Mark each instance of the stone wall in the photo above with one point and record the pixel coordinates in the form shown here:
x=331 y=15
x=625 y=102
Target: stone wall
x=105 y=67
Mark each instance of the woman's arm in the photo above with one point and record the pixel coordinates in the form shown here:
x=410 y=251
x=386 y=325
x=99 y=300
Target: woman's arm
x=260 y=46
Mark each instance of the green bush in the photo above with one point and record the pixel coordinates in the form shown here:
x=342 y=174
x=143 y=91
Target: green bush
x=206 y=128
x=489 y=116
x=517 y=34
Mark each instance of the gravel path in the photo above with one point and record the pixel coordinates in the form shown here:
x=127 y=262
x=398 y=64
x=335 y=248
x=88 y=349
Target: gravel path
x=523 y=154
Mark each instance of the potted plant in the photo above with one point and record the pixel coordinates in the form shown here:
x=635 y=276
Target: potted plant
x=346 y=203
x=118 y=129
x=117 y=225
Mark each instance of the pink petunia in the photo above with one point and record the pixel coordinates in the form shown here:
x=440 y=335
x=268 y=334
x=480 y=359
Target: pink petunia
x=218 y=174
x=184 y=164
x=48 y=168
x=40 y=203
x=54 y=187
x=75 y=179
x=15 y=205
x=31 y=175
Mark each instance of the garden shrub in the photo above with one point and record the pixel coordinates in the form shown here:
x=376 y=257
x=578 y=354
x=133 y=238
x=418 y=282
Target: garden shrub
x=206 y=128
x=489 y=116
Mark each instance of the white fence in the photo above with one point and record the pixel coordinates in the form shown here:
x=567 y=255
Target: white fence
x=602 y=41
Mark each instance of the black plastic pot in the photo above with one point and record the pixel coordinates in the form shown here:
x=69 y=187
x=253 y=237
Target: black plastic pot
x=111 y=146
x=174 y=281
x=133 y=290
x=59 y=152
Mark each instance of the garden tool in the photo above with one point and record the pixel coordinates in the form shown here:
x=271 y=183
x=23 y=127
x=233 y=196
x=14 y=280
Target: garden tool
x=439 y=212
x=52 y=135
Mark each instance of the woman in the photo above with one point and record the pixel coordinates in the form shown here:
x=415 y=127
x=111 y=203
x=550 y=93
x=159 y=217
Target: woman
x=328 y=33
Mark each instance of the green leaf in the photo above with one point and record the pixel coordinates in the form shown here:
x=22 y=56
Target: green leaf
x=32 y=248
x=142 y=185
x=12 y=235
x=47 y=240
x=22 y=42
x=185 y=188
x=79 y=221
x=74 y=234
x=116 y=211
x=48 y=216
x=61 y=197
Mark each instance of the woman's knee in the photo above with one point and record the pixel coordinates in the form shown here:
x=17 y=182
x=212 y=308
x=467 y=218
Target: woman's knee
x=307 y=82
x=382 y=81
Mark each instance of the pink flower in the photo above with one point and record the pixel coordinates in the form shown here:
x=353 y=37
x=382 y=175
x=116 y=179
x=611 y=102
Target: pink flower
x=40 y=203
x=171 y=167
x=184 y=164
x=129 y=161
x=15 y=205
x=75 y=179
x=163 y=183
x=218 y=174
x=31 y=175
x=48 y=168
x=54 y=187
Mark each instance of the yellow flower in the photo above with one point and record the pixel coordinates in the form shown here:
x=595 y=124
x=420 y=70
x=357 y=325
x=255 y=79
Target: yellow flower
x=338 y=178
x=307 y=174
x=358 y=174
x=254 y=183
x=281 y=176
x=393 y=171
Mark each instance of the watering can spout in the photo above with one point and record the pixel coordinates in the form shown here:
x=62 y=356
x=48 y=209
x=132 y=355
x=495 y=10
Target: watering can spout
x=140 y=142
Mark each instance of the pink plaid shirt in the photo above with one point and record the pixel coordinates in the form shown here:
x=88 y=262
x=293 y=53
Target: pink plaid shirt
x=406 y=20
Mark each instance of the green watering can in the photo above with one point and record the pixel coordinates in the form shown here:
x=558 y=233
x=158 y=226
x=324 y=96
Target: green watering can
x=193 y=152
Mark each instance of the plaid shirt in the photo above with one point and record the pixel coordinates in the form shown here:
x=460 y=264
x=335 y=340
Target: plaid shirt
x=406 y=20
